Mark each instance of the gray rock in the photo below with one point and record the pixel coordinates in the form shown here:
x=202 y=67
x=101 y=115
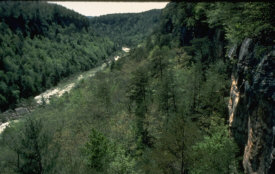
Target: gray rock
x=252 y=118
x=21 y=111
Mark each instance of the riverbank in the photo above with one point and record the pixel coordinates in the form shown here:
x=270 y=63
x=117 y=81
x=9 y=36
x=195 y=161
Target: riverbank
x=45 y=97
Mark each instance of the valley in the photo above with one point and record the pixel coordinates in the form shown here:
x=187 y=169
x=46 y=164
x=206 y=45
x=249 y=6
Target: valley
x=58 y=91
x=186 y=89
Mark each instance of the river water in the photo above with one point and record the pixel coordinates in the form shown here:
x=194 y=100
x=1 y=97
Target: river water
x=63 y=88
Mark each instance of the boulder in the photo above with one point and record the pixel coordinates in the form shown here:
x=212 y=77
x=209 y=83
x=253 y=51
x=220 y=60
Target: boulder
x=21 y=111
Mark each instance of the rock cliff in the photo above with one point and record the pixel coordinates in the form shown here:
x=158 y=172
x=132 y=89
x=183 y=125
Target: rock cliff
x=251 y=107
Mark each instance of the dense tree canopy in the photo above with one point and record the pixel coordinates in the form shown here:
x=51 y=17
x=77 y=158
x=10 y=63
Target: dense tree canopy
x=126 y=29
x=162 y=108
x=48 y=42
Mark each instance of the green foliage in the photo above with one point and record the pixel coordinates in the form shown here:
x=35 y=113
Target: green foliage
x=241 y=20
x=159 y=59
x=126 y=29
x=33 y=144
x=29 y=143
x=122 y=163
x=138 y=93
x=10 y=149
x=160 y=109
x=214 y=89
x=167 y=95
x=138 y=90
x=238 y=20
x=215 y=153
x=97 y=151
x=41 y=44
x=103 y=94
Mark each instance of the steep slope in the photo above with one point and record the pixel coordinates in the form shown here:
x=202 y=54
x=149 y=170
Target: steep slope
x=42 y=43
x=164 y=107
x=251 y=106
x=127 y=29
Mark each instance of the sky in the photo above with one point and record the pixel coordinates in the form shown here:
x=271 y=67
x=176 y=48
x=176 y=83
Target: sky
x=102 y=8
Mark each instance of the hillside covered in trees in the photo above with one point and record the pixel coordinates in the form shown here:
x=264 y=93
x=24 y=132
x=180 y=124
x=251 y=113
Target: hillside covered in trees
x=42 y=43
x=163 y=108
x=126 y=29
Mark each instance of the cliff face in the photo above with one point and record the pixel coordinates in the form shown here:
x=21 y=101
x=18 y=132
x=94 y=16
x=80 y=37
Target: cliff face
x=251 y=107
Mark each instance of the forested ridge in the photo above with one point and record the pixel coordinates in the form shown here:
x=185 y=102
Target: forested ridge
x=126 y=29
x=163 y=108
x=42 y=43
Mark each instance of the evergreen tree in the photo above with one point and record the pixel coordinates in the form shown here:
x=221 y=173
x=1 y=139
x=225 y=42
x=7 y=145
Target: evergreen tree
x=97 y=151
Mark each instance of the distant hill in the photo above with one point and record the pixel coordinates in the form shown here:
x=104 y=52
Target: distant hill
x=194 y=97
x=128 y=28
x=40 y=44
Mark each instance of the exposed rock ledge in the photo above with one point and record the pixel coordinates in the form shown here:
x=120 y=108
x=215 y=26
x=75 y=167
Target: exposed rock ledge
x=251 y=108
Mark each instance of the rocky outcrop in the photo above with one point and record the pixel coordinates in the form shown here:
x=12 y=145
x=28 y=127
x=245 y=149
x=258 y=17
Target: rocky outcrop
x=21 y=111
x=251 y=107
x=14 y=114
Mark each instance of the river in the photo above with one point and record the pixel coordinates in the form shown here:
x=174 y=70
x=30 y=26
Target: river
x=64 y=87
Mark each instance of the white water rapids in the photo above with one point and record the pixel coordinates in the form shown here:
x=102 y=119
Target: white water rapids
x=59 y=91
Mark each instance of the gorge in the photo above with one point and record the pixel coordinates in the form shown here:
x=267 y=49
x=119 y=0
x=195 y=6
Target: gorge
x=193 y=95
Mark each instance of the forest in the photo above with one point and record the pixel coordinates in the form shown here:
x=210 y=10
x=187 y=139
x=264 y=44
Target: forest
x=43 y=43
x=126 y=28
x=161 y=109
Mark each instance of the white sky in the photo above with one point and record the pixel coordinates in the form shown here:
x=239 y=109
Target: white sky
x=102 y=8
